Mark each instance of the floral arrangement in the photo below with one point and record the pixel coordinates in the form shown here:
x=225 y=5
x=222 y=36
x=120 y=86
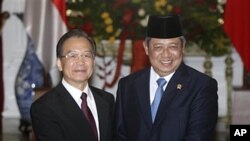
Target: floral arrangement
x=201 y=19
x=94 y=17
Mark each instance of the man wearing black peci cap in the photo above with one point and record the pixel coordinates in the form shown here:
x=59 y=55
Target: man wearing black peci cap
x=168 y=101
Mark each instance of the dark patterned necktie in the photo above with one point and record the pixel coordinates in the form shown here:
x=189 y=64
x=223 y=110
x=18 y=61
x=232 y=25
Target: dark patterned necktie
x=88 y=114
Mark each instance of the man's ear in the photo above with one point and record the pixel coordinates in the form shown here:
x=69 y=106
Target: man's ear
x=183 y=48
x=145 y=47
x=59 y=64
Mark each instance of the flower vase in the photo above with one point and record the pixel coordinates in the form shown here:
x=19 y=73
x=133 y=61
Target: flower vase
x=139 y=58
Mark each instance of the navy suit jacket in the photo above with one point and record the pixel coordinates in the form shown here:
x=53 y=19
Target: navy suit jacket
x=188 y=110
x=57 y=117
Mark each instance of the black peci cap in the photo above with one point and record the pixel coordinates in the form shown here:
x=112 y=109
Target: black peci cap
x=164 y=26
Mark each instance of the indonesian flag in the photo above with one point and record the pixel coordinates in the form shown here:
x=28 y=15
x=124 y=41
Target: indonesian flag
x=45 y=22
x=237 y=27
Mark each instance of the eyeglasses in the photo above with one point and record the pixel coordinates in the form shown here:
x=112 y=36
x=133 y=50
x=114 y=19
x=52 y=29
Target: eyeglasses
x=74 y=56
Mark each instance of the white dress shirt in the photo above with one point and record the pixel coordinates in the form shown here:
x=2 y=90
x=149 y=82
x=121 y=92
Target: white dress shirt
x=76 y=94
x=153 y=83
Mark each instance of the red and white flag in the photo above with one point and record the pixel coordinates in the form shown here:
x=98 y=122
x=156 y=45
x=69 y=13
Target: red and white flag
x=45 y=23
x=237 y=27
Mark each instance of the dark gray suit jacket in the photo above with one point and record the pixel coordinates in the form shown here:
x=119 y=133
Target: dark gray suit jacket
x=57 y=117
x=188 y=110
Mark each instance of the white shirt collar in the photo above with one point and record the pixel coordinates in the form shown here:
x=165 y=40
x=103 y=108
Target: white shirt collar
x=76 y=93
x=154 y=77
x=153 y=84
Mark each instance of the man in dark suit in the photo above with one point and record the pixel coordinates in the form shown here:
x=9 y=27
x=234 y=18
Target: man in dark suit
x=168 y=101
x=74 y=110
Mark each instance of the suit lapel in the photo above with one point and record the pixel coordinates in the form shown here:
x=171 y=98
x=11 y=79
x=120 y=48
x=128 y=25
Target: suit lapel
x=102 y=113
x=72 y=111
x=179 y=79
x=142 y=91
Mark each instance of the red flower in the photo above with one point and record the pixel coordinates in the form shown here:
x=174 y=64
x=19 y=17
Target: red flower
x=213 y=7
x=119 y=3
x=128 y=16
x=72 y=26
x=177 y=10
x=88 y=27
x=200 y=2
